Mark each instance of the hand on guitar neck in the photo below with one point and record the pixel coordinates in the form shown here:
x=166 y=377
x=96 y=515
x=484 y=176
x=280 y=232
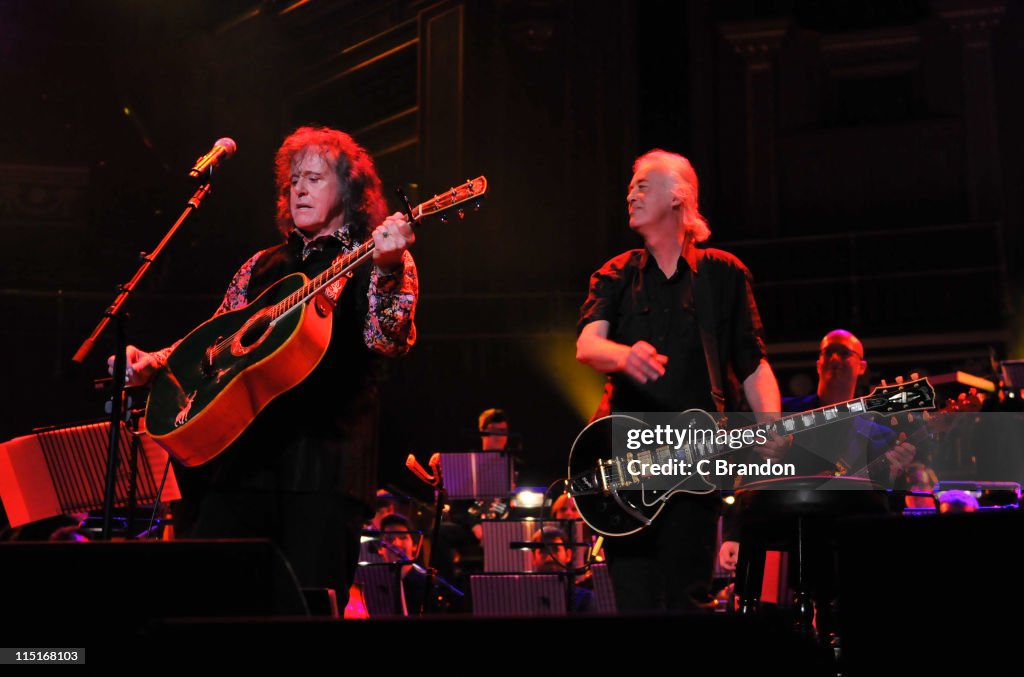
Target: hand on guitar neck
x=390 y=240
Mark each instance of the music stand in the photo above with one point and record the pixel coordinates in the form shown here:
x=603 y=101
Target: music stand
x=518 y=595
x=62 y=470
x=381 y=583
x=498 y=535
x=479 y=474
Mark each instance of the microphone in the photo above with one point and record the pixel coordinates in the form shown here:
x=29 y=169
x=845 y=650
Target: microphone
x=223 y=148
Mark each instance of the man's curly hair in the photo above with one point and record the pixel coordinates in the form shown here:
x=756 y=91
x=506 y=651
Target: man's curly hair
x=361 y=192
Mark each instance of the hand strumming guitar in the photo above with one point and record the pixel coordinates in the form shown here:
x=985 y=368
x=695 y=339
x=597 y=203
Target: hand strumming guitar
x=142 y=366
x=900 y=456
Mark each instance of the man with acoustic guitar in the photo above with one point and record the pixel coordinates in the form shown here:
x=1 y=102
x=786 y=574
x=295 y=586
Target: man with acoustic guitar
x=304 y=471
x=671 y=325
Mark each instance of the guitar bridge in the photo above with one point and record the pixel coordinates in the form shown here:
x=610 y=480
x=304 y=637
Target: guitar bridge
x=602 y=476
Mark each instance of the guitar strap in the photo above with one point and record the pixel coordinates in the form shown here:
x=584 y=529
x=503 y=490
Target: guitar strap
x=706 y=323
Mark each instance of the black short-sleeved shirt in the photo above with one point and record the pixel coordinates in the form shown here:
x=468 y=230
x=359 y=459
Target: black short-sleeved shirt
x=631 y=293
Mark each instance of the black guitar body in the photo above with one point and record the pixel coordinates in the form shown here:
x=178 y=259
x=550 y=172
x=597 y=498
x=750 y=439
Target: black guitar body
x=625 y=511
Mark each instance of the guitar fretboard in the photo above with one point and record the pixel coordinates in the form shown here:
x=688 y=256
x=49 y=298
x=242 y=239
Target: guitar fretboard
x=340 y=266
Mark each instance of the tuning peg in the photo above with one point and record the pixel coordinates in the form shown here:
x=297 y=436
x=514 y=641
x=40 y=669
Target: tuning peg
x=926 y=416
x=914 y=376
x=899 y=379
x=461 y=213
x=910 y=417
x=884 y=382
x=894 y=421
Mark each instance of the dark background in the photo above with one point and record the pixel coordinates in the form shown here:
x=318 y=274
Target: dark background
x=863 y=158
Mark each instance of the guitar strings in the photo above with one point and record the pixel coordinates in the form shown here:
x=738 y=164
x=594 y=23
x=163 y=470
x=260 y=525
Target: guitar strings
x=282 y=308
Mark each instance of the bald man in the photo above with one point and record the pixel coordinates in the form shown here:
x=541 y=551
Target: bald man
x=840 y=365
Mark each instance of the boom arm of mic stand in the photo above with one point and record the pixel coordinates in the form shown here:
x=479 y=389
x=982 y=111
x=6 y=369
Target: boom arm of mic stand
x=116 y=313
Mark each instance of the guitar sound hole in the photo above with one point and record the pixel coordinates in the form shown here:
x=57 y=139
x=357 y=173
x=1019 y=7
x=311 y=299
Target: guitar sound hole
x=255 y=331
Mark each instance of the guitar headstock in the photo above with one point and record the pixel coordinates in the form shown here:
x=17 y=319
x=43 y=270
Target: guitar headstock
x=914 y=395
x=469 y=195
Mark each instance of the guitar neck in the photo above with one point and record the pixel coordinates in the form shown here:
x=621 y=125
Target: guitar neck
x=343 y=265
x=801 y=422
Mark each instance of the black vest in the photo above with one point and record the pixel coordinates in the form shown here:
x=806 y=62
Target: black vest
x=321 y=435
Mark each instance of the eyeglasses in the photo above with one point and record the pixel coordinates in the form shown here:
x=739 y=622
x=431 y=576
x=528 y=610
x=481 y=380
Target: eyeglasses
x=842 y=351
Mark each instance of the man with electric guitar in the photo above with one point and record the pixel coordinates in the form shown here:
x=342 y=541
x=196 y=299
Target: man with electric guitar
x=672 y=325
x=301 y=467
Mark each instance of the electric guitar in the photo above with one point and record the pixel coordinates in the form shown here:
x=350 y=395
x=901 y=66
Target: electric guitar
x=616 y=501
x=230 y=367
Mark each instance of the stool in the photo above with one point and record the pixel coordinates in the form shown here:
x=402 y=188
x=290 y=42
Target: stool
x=797 y=514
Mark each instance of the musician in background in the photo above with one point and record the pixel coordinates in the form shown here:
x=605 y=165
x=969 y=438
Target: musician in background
x=846 y=448
x=304 y=472
x=493 y=426
x=400 y=543
x=461 y=533
x=554 y=557
x=640 y=325
x=860 y=447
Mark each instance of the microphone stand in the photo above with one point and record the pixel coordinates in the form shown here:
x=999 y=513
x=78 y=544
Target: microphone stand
x=116 y=313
